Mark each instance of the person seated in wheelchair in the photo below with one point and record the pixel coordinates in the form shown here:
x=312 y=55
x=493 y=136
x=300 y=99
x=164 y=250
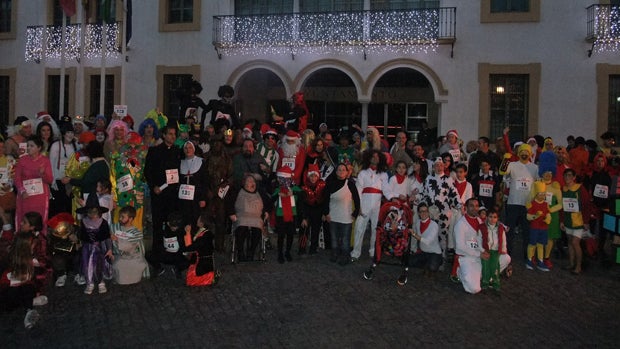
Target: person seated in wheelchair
x=248 y=211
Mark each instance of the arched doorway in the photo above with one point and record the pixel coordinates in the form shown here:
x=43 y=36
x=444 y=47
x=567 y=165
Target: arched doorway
x=402 y=99
x=256 y=91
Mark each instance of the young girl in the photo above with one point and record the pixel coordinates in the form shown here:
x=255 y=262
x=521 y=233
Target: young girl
x=32 y=223
x=17 y=286
x=312 y=202
x=96 y=245
x=201 y=271
x=104 y=194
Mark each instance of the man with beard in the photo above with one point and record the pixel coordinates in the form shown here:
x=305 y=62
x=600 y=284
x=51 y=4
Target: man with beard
x=248 y=162
x=292 y=155
x=521 y=176
x=267 y=149
x=399 y=150
x=15 y=145
x=219 y=172
x=230 y=146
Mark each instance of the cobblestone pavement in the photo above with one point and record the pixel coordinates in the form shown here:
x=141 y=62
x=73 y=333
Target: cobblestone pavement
x=312 y=303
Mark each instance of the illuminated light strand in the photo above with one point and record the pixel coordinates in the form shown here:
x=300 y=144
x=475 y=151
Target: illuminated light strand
x=50 y=37
x=607 y=29
x=330 y=33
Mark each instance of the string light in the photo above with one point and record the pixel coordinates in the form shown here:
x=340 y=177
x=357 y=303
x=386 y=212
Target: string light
x=50 y=38
x=607 y=29
x=410 y=31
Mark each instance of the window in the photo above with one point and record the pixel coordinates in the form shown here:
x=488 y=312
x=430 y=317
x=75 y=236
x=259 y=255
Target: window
x=179 y=15
x=8 y=14
x=330 y=5
x=508 y=96
x=57 y=14
x=169 y=79
x=95 y=89
x=608 y=98
x=263 y=7
x=502 y=11
x=613 y=120
x=402 y=4
x=509 y=101
x=5 y=92
x=53 y=95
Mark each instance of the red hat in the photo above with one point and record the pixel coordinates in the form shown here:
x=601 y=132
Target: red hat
x=292 y=134
x=285 y=172
x=313 y=169
x=42 y=114
x=456 y=134
x=133 y=138
x=87 y=137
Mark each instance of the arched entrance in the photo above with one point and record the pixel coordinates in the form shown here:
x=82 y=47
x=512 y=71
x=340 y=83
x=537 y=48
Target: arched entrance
x=256 y=91
x=402 y=99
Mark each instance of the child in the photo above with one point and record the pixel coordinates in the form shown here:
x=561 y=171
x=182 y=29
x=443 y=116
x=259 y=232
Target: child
x=32 y=223
x=6 y=239
x=173 y=247
x=201 y=271
x=312 y=201
x=539 y=216
x=63 y=242
x=286 y=211
x=104 y=194
x=486 y=185
x=17 y=283
x=96 y=245
x=129 y=263
x=494 y=242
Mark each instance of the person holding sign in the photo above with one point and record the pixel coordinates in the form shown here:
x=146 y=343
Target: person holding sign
x=33 y=176
x=193 y=184
x=521 y=176
x=575 y=217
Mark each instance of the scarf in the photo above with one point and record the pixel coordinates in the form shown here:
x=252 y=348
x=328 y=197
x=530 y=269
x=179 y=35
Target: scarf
x=424 y=225
x=473 y=222
x=400 y=178
x=460 y=186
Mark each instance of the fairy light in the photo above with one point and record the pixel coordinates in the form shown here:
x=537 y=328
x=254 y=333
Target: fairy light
x=607 y=29
x=50 y=38
x=411 y=31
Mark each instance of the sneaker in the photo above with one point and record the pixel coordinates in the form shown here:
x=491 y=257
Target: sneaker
x=402 y=280
x=368 y=274
x=541 y=266
x=548 y=263
x=39 y=301
x=89 y=289
x=60 y=282
x=32 y=316
x=455 y=279
x=529 y=264
x=80 y=279
x=102 y=288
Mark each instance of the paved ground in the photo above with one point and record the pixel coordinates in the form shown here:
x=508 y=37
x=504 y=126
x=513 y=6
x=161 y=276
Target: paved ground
x=312 y=303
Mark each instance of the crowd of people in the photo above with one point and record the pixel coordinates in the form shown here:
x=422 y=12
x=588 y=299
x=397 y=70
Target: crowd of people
x=77 y=198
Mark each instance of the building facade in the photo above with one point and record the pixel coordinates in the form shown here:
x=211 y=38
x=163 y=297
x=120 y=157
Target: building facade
x=474 y=66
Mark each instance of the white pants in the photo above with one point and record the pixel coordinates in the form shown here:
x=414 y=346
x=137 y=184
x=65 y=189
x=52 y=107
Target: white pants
x=370 y=205
x=470 y=273
x=504 y=261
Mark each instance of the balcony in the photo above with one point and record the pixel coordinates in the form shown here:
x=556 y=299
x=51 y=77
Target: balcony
x=603 y=28
x=45 y=42
x=408 y=31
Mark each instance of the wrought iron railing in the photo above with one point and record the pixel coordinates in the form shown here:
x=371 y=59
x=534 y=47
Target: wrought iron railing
x=603 y=27
x=329 y=31
x=46 y=41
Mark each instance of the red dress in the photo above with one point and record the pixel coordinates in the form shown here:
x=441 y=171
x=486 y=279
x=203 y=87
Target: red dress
x=28 y=178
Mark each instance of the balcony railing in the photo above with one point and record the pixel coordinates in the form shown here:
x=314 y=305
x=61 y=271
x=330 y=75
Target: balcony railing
x=406 y=30
x=45 y=42
x=603 y=28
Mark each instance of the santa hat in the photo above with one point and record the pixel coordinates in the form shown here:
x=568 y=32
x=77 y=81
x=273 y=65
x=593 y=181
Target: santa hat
x=313 y=169
x=86 y=137
x=270 y=132
x=43 y=114
x=452 y=132
x=290 y=134
x=284 y=172
x=438 y=159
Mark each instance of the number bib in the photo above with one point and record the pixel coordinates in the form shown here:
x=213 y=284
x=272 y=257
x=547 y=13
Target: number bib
x=456 y=155
x=171 y=244
x=125 y=183
x=83 y=159
x=121 y=235
x=549 y=198
x=172 y=176
x=601 y=191
x=570 y=204
x=221 y=191
x=473 y=244
x=486 y=190
x=34 y=186
x=186 y=192
x=290 y=162
x=524 y=184
x=4 y=175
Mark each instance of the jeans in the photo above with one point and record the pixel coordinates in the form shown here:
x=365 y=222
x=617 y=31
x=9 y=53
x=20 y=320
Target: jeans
x=340 y=237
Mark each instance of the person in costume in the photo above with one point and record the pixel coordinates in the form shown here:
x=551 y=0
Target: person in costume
x=292 y=155
x=117 y=135
x=127 y=176
x=18 y=135
x=486 y=185
x=60 y=153
x=425 y=250
x=201 y=271
x=7 y=174
x=188 y=99
x=222 y=111
x=453 y=146
x=297 y=118
x=129 y=265
x=469 y=249
x=576 y=213
x=64 y=246
x=97 y=253
x=193 y=184
x=312 y=198
x=493 y=234
x=287 y=209
x=149 y=132
x=547 y=165
x=539 y=216
x=76 y=167
x=172 y=246
x=599 y=184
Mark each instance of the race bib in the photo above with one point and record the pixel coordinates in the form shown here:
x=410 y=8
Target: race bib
x=486 y=190
x=456 y=155
x=125 y=183
x=570 y=204
x=524 y=184
x=601 y=191
x=548 y=198
x=186 y=192
x=473 y=244
x=83 y=159
x=171 y=244
x=221 y=192
x=4 y=175
x=290 y=162
x=172 y=176
x=34 y=186
x=121 y=235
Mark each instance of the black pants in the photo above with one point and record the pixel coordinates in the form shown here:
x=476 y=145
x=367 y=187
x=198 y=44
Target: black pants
x=161 y=206
x=246 y=240
x=284 y=229
x=14 y=297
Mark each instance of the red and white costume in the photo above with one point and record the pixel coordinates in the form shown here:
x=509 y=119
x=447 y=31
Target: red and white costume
x=494 y=239
x=468 y=249
x=292 y=155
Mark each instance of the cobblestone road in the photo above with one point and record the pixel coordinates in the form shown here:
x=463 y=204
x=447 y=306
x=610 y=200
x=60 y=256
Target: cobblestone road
x=312 y=303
